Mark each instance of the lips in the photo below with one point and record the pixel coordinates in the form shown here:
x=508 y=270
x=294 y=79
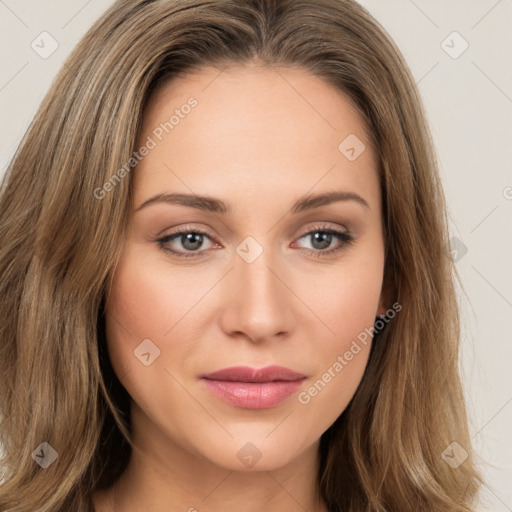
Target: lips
x=246 y=374
x=250 y=388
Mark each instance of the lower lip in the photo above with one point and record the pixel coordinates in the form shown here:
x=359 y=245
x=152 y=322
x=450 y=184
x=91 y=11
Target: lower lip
x=252 y=395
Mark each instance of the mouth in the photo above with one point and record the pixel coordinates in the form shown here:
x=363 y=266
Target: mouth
x=250 y=388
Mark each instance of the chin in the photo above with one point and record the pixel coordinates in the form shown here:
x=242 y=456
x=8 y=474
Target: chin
x=252 y=453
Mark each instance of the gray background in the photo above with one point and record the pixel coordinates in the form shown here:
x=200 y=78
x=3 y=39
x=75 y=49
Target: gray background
x=468 y=98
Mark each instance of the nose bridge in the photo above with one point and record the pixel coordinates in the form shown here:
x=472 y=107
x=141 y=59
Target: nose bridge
x=259 y=303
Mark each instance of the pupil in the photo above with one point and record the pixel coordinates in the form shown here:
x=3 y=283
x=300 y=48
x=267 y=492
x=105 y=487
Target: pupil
x=323 y=238
x=191 y=242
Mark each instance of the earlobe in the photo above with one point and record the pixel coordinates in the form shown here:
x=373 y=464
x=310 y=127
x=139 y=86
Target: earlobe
x=383 y=305
x=381 y=308
x=386 y=295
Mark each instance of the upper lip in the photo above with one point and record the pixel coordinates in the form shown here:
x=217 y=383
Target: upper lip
x=247 y=374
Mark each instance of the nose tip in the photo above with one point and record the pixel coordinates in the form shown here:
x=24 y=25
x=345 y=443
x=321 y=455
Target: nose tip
x=257 y=302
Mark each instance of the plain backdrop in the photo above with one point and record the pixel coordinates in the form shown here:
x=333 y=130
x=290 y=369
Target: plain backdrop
x=459 y=53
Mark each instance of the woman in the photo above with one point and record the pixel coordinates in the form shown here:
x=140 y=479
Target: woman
x=225 y=277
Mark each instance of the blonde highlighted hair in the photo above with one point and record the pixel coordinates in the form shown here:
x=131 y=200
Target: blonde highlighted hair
x=59 y=245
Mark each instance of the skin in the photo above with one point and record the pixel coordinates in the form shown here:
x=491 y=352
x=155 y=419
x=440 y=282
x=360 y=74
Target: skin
x=259 y=139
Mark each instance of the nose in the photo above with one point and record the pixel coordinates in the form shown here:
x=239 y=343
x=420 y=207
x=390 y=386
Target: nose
x=259 y=301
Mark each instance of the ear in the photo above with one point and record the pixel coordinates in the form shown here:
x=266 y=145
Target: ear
x=387 y=293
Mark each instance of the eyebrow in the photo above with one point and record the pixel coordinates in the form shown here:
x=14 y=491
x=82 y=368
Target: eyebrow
x=210 y=204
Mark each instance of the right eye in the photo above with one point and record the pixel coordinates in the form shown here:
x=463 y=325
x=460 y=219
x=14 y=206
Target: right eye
x=190 y=240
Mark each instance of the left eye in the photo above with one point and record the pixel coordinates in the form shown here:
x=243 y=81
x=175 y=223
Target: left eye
x=321 y=239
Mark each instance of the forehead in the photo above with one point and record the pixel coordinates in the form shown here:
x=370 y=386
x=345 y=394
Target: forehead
x=253 y=127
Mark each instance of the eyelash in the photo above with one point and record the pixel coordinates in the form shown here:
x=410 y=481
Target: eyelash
x=343 y=236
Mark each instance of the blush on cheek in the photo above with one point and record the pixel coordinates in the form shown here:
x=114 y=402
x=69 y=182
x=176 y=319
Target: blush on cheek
x=347 y=307
x=350 y=314
x=139 y=302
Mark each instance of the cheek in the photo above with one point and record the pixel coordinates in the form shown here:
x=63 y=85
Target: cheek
x=346 y=300
x=151 y=300
x=148 y=299
x=347 y=304
x=144 y=304
x=139 y=307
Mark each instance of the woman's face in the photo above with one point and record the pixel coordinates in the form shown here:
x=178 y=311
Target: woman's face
x=236 y=256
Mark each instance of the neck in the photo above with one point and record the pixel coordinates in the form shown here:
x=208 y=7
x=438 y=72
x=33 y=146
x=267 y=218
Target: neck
x=162 y=475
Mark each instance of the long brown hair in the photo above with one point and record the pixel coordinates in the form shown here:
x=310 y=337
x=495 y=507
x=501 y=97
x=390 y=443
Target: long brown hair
x=61 y=232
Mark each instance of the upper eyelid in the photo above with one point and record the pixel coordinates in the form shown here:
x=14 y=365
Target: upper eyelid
x=307 y=232
x=323 y=227
x=317 y=227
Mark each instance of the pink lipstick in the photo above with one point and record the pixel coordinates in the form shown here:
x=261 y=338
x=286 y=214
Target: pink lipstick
x=251 y=388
